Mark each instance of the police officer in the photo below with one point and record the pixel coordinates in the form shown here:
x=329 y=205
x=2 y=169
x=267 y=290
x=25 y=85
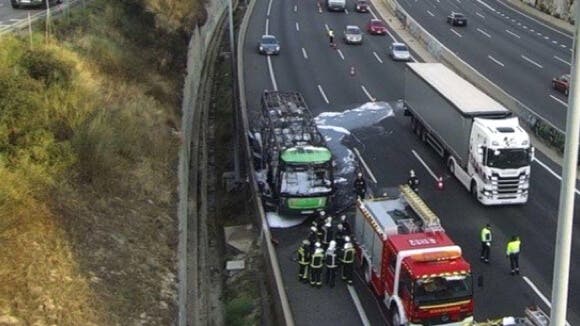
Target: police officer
x=413 y=182
x=485 y=242
x=513 y=252
x=304 y=260
x=316 y=264
x=347 y=261
x=331 y=263
x=360 y=186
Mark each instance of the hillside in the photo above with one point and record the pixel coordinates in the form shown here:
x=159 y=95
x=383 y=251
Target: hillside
x=88 y=141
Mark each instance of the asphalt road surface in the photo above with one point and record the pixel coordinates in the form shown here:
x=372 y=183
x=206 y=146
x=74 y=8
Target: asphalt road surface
x=322 y=74
x=518 y=53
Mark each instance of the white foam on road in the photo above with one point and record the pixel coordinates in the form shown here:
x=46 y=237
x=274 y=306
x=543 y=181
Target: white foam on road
x=276 y=221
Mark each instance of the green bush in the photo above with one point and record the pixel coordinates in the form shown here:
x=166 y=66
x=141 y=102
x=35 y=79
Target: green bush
x=238 y=311
x=43 y=65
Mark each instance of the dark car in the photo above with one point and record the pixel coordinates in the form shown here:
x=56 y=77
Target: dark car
x=32 y=3
x=361 y=6
x=561 y=84
x=376 y=27
x=457 y=19
x=269 y=45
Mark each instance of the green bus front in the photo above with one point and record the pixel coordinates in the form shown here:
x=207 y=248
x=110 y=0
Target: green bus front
x=305 y=182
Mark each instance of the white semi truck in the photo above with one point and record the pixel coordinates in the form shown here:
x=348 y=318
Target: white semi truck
x=482 y=144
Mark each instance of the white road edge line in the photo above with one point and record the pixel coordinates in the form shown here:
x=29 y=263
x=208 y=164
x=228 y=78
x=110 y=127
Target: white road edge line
x=367 y=93
x=297 y=27
x=370 y=173
x=430 y=13
x=455 y=32
x=495 y=60
x=480 y=15
x=267 y=25
x=424 y=164
x=512 y=33
x=483 y=32
x=553 y=173
x=373 y=13
x=543 y=297
x=358 y=305
x=304 y=54
x=391 y=36
x=532 y=62
x=377 y=56
x=323 y=94
x=272 y=76
x=559 y=101
x=295 y=8
x=486 y=5
x=269 y=8
x=562 y=60
x=340 y=54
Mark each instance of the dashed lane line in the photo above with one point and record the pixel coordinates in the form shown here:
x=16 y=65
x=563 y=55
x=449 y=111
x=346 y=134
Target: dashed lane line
x=543 y=297
x=340 y=54
x=371 y=98
x=297 y=27
x=512 y=33
x=304 y=54
x=358 y=305
x=361 y=159
x=562 y=60
x=295 y=8
x=480 y=15
x=424 y=164
x=495 y=60
x=455 y=32
x=272 y=76
x=269 y=8
x=532 y=61
x=377 y=56
x=553 y=173
x=323 y=94
x=267 y=25
x=430 y=13
x=483 y=32
x=559 y=100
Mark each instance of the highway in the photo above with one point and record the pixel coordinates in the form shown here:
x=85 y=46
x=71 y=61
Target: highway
x=518 y=53
x=18 y=17
x=307 y=64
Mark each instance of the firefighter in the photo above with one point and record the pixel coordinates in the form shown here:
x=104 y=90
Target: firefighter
x=360 y=186
x=485 y=243
x=304 y=260
x=316 y=264
x=313 y=237
x=331 y=36
x=345 y=225
x=339 y=236
x=413 y=182
x=331 y=263
x=347 y=260
x=327 y=233
x=513 y=252
x=320 y=219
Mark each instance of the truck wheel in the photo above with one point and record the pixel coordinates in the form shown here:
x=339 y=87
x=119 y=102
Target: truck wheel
x=451 y=165
x=395 y=317
x=474 y=190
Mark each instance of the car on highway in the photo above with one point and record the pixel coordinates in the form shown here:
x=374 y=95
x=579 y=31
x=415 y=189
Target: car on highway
x=562 y=84
x=352 y=35
x=399 y=51
x=361 y=6
x=457 y=19
x=269 y=45
x=16 y=4
x=376 y=27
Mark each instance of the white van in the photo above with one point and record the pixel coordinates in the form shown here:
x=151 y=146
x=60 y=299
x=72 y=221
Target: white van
x=336 y=5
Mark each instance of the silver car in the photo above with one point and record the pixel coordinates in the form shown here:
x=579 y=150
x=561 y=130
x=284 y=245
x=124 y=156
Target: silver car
x=269 y=45
x=353 y=35
x=399 y=51
x=32 y=3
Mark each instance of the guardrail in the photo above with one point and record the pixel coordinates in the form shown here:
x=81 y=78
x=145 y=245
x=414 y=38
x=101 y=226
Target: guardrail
x=539 y=125
x=281 y=304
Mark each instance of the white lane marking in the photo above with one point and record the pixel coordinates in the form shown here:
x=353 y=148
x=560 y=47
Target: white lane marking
x=370 y=173
x=543 y=297
x=267 y=25
x=424 y=164
x=304 y=54
x=484 y=33
x=430 y=13
x=525 y=27
x=512 y=33
x=269 y=8
x=340 y=54
x=546 y=37
x=555 y=42
x=346 y=11
x=559 y=101
x=323 y=94
x=513 y=20
x=507 y=17
x=391 y=36
x=272 y=76
x=297 y=27
x=495 y=60
x=531 y=30
x=532 y=62
x=373 y=13
x=539 y=34
x=295 y=8
x=519 y=24
x=562 y=60
x=368 y=94
x=563 y=46
x=480 y=15
x=455 y=32
x=358 y=305
x=327 y=28
x=486 y=5
x=377 y=56
x=553 y=173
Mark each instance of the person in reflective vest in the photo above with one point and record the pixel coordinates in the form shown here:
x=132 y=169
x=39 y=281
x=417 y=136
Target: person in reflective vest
x=313 y=237
x=304 y=260
x=347 y=261
x=316 y=264
x=360 y=186
x=331 y=263
x=513 y=252
x=485 y=243
x=327 y=235
x=331 y=37
x=339 y=236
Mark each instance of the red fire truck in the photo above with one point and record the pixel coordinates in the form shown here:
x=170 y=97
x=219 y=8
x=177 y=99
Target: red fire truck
x=408 y=259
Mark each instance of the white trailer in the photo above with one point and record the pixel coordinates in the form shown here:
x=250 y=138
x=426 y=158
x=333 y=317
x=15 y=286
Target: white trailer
x=482 y=144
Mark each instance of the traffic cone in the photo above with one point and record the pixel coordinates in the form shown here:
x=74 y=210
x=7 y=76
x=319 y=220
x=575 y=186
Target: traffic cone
x=352 y=71
x=439 y=183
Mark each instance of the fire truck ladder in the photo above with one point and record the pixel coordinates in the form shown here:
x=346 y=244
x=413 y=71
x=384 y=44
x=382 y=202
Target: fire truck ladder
x=430 y=220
